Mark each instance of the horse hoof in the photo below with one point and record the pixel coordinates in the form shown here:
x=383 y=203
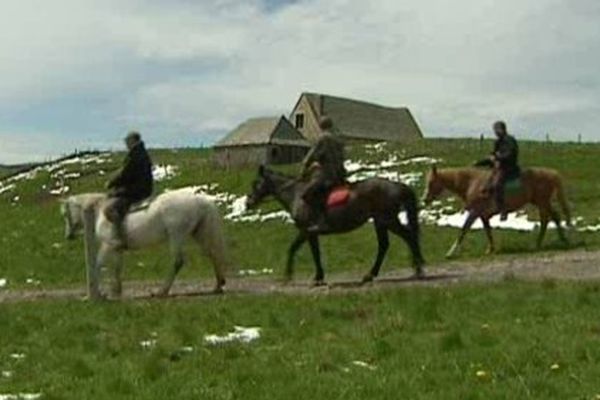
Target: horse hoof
x=161 y=294
x=96 y=297
x=367 y=279
x=450 y=255
x=218 y=290
x=319 y=283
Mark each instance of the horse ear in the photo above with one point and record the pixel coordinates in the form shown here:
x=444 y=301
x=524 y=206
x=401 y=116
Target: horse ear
x=261 y=170
x=434 y=169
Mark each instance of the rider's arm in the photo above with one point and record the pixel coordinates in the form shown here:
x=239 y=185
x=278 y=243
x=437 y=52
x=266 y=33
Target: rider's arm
x=506 y=151
x=486 y=162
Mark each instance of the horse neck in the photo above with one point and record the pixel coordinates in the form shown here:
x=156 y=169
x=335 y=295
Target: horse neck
x=285 y=190
x=89 y=200
x=456 y=181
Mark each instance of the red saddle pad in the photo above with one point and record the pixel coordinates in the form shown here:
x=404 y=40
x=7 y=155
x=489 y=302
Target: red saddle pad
x=338 y=197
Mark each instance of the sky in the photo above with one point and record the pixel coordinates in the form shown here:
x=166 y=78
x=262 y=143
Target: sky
x=78 y=74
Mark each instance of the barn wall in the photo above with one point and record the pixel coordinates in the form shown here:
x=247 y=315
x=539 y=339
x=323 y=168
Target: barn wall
x=311 y=130
x=286 y=154
x=238 y=156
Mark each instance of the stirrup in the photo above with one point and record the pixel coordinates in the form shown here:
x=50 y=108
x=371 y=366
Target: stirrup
x=318 y=227
x=503 y=215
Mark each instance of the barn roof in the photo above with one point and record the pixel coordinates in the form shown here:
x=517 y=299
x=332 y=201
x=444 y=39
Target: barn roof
x=264 y=130
x=363 y=120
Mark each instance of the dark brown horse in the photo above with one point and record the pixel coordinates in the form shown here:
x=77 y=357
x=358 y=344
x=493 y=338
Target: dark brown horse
x=375 y=198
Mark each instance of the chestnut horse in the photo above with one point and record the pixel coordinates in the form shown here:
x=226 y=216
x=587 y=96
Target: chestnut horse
x=538 y=187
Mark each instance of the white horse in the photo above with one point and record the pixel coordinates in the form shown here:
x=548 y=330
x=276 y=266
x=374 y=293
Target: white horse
x=172 y=217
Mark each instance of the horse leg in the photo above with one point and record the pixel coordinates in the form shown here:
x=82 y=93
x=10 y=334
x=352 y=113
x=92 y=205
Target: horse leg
x=490 y=237
x=294 y=247
x=177 y=265
x=559 y=229
x=544 y=218
x=103 y=254
x=117 y=286
x=209 y=235
x=313 y=241
x=466 y=226
x=383 y=243
x=413 y=243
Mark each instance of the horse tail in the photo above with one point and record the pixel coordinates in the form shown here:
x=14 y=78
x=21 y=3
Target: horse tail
x=562 y=200
x=211 y=236
x=411 y=205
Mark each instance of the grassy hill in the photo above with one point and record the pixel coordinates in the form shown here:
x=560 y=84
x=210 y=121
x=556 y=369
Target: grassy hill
x=507 y=340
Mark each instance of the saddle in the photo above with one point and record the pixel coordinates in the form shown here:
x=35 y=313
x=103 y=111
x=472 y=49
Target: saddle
x=338 y=196
x=135 y=208
x=141 y=206
x=513 y=186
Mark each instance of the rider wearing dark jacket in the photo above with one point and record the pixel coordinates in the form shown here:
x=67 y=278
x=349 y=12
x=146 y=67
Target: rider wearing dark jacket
x=505 y=160
x=132 y=184
x=324 y=167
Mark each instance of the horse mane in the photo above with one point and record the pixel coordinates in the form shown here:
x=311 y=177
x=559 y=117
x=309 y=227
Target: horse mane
x=86 y=200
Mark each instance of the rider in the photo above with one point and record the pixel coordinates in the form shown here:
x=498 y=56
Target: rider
x=132 y=184
x=505 y=160
x=324 y=168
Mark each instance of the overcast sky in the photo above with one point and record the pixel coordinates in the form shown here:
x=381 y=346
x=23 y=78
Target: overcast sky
x=80 y=73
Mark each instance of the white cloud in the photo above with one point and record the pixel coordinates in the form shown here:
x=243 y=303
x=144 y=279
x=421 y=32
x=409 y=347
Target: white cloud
x=196 y=69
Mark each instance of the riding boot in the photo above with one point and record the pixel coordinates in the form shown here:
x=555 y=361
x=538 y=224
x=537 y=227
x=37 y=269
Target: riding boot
x=320 y=226
x=500 y=204
x=120 y=235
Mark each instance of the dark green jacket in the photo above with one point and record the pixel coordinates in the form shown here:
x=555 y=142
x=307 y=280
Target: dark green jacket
x=329 y=153
x=134 y=181
x=506 y=152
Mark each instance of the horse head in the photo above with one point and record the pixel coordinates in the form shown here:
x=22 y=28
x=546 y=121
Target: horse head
x=434 y=187
x=71 y=212
x=262 y=187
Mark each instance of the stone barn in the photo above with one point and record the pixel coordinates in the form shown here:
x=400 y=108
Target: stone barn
x=261 y=141
x=354 y=119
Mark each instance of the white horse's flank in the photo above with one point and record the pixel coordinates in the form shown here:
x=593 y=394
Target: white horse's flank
x=172 y=217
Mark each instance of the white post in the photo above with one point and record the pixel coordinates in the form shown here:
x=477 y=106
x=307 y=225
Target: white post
x=93 y=275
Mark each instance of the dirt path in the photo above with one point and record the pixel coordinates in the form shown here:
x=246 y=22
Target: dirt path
x=574 y=265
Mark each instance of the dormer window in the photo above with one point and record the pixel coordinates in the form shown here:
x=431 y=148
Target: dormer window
x=299 y=121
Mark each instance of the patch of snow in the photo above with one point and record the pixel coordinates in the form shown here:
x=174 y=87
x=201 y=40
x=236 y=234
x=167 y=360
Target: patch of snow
x=61 y=190
x=7 y=188
x=420 y=160
x=20 y=396
x=239 y=334
x=254 y=272
x=163 y=172
x=17 y=356
x=515 y=221
x=376 y=147
x=7 y=374
x=3 y=282
x=363 y=364
x=148 y=344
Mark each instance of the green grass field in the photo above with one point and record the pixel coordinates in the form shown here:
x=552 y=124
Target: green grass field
x=510 y=340
x=422 y=342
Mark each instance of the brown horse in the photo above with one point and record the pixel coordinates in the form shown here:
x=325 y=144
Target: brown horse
x=374 y=198
x=538 y=187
